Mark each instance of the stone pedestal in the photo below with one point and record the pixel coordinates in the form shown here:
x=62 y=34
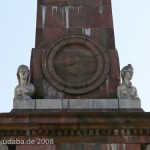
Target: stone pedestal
x=24 y=104
x=77 y=104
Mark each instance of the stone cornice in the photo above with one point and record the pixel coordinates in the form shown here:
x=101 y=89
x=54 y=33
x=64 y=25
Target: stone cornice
x=72 y=125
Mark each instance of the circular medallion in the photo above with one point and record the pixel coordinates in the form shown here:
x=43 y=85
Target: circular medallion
x=75 y=64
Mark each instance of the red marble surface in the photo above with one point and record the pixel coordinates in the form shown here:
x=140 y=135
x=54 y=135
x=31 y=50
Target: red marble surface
x=79 y=2
x=39 y=17
x=113 y=73
x=36 y=70
x=68 y=17
x=55 y=17
x=75 y=2
x=102 y=2
x=102 y=17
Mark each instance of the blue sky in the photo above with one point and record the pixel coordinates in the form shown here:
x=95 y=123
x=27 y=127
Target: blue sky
x=17 y=38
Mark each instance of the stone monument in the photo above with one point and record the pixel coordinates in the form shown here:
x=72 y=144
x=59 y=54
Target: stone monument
x=75 y=56
x=74 y=64
x=78 y=101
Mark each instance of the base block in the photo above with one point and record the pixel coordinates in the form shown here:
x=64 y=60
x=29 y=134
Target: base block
x=127 y=103
x=77 y=104
x=24 y=104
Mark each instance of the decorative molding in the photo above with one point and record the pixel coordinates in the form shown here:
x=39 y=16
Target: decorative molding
x=83 y=132
x=75 y=64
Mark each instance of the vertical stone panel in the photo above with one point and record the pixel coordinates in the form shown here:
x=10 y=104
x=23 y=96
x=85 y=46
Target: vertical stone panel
x=107 y=2
x=77 y=17
x=37 y=69
x=102 y=17
x=56 y=2
x=39 y=18
x=98 y=2
x=56 y=16
x=114 y=68
x=39 y=37
x=53 y=34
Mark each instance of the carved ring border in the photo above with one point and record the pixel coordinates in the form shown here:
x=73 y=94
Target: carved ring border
x=79 y=88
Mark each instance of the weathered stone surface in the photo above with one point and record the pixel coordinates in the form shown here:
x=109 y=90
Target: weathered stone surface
x=111 y=41
x=65 y=103
x=107 y=2
x=129 y=103
x=56 y=34
x=39 y=38
x=75 y=65
x=54 y=17
x=148 y=147
x=77 y=17
x=86 y=18
x=48 y=104
x=55 y=2
x=75 y=2
x=106 y=103
x=39 y=20
x=36 y=64
x=113 y=74
x=77 y=104
x=98 y=2
x=80 y=103
x=103 y=13
x=3 y=147
x=101 y=2
x=24 y=104
x=79 y=2
x=76 y=126
x=81 y=146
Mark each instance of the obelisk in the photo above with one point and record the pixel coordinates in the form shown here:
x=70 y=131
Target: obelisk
x=75 y=55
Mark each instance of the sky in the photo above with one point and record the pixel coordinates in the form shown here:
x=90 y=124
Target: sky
x=17 y=37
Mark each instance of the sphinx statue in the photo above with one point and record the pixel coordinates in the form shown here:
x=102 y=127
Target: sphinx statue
x=24 y=90
x=126 y=90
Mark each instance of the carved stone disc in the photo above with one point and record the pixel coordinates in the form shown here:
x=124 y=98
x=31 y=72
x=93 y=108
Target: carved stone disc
x=75 y=64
